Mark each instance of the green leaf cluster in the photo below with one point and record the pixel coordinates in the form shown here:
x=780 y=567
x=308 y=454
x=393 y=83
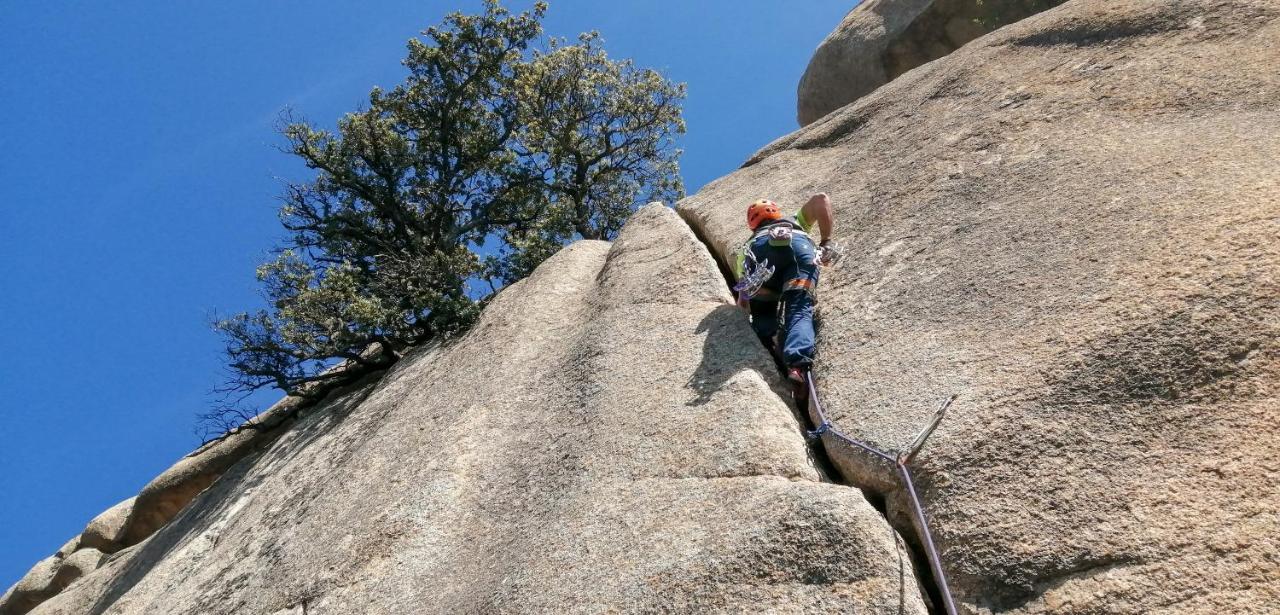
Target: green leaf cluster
x=498 y=148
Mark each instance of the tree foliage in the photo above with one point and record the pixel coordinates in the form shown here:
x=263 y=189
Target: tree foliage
x=490 y=155
x=600 y=134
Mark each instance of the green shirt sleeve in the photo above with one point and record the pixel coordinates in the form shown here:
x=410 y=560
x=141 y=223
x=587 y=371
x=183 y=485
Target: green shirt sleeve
x=739 y=263
x=805 y=225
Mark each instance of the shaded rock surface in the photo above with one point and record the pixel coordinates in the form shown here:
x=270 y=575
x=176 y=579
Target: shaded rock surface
x=48 y=577
x=38 y=585
x=78 y=564
x=609 y=437
x=881 y=39
x=1073 y=222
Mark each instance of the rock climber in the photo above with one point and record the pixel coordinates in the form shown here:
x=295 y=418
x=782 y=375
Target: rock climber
x=778 y=268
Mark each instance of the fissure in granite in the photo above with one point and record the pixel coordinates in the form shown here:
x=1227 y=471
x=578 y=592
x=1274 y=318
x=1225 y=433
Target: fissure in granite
x=929 y=585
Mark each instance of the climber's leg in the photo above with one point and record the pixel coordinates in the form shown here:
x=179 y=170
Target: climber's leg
x=797 y=299
x=764 y=305
x=798 y=347
x=764 y=319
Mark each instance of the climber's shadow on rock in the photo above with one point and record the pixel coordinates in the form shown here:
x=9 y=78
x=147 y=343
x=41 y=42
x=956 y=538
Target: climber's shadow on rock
x=728 y=347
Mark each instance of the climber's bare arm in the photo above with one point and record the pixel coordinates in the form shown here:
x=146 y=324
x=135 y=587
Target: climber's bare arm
x=818 y=209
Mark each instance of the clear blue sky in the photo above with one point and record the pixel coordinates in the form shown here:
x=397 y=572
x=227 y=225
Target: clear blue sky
x=137 y=181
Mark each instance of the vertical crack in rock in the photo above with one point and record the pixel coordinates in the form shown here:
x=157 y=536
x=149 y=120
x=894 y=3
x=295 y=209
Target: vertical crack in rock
x=827 y=469
x=822 y=462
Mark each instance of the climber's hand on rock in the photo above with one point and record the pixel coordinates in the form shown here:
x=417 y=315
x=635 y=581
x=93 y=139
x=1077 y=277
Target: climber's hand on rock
x=829 y=253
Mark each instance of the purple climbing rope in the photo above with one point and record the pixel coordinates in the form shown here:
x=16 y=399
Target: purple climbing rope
x=827 y=429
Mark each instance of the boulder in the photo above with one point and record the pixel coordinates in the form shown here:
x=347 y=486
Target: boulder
x=76 y=565
x=106 y=531
x=69 y=547
x=38 y=585
x=881 y=39
x=48 y=577
x=608 y=437
x=1072 y=223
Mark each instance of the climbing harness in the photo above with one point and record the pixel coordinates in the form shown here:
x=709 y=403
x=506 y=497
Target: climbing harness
x=779 y=234
x=756 y=273
x=899 y=461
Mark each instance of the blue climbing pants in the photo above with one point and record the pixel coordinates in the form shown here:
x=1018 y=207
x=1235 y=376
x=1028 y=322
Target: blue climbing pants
x=795 y=278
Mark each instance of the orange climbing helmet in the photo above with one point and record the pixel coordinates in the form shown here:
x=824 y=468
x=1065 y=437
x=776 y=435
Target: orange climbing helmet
x=762 y=210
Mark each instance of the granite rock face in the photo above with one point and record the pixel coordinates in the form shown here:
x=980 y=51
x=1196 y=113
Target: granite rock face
x=881 y=39
x=170 y=492
x=48 y=577
x=106 y=531
x=39 y=584
x=1071 y=222
x=1074 y=223
x=609 y=437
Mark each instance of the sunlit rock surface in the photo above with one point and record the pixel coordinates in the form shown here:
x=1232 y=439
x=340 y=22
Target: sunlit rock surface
x=880 y=40
x=1074 y=223
x=608 y=438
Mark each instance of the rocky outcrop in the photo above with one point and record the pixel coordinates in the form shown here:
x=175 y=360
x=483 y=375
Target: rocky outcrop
x=69 y=548
x=48 y=577
x=76 y=565
x=106 y=532
x=881 y=39
x=133 y=520
x=38 y=585
x=167 y=494
x=609 y=437
x=1072 y=223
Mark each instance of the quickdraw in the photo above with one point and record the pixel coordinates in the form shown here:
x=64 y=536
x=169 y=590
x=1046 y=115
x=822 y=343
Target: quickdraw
x=817 y=432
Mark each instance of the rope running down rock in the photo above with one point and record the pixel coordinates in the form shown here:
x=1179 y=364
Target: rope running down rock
x=900 y=461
